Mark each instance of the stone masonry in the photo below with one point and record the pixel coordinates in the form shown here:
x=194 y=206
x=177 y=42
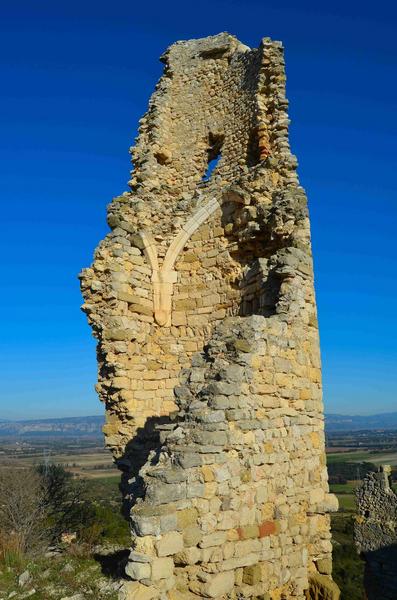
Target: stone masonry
x=202 y=301
x=375 y=534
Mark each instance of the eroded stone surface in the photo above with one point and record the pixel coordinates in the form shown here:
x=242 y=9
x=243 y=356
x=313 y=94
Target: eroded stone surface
x=202 y=301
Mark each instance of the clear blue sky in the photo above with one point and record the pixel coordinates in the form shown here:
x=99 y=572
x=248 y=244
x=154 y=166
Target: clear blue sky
x=76 y=77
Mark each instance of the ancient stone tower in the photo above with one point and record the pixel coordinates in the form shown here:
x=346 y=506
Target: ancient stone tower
x=201 y=298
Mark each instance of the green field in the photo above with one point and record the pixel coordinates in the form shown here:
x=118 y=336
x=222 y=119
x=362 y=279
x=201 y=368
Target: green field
x=376 y=458
x=345 y=493
x=347 y=502
x=344 y=488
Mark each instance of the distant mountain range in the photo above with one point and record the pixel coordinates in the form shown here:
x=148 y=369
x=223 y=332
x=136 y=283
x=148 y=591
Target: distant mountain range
x=63 y=427
x=92 y=426
x=357 y=422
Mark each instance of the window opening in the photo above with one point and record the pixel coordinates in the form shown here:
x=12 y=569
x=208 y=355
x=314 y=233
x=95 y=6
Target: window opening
x=214 y=154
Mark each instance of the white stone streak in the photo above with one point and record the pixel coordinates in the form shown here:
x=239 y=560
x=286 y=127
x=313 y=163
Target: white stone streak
x=164 y=277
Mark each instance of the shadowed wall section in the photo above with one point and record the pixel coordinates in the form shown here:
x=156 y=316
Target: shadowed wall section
x=202 y=301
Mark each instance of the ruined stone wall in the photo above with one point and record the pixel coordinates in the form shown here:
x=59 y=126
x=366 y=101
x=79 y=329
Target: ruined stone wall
x=376 y=534
x=201 y=298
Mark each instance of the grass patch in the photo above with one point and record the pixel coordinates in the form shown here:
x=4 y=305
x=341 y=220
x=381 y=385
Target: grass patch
x=344 y=488
x=347 y=502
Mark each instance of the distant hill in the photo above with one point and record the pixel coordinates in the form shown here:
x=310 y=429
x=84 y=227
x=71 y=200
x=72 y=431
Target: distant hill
x=356 y=422
x=92 y=426
x=63 y=427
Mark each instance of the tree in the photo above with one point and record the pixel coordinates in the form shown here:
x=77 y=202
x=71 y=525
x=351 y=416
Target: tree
x=65 y=500
x=23 y=512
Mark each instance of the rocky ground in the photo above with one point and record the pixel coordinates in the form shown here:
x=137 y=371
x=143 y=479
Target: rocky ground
x=63 y=576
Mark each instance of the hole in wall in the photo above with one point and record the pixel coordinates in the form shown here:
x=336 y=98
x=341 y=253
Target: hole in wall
x=253 y=154
x=215 y=143
x=163 y=156
x=211 y=166
x=217 y=52
x=260 y=290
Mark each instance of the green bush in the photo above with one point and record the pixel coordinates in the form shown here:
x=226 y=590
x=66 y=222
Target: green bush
x=108 y=526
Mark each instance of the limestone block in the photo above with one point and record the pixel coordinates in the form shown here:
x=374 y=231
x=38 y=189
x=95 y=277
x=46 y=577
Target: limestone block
x=248 y=531
x=132 y=590
x=324 y=566
x=188 y=556
x=238 y=562
x=245 y=547
x=144 y=546
x=213 y=539
x=169 y=543
x=179 y=318
x=162 y=493
x=208 y=473
x=219 y=585
x=162 y=568
x=192 y=535
x=316 y=496
x=168 y=522
x=145 y=525
x=138 y=570
x=252 y=575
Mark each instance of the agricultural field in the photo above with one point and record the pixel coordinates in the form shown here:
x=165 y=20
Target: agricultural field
x=85 y=459
x=377 y=458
